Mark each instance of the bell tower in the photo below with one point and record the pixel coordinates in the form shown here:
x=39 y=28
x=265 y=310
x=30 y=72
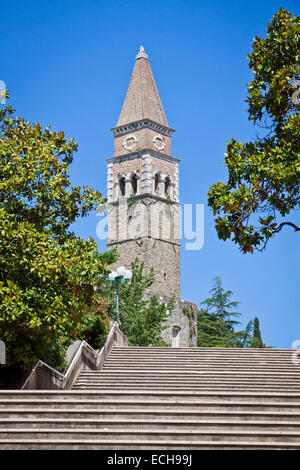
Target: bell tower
x=143 y=196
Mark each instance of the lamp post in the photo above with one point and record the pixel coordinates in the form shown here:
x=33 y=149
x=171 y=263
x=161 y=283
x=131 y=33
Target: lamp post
x=121 y=274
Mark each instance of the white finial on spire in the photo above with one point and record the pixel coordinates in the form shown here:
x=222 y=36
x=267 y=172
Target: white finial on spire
x=142 y=54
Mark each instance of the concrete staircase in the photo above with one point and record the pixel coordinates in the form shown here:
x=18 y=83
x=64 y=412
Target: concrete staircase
x=164 y=398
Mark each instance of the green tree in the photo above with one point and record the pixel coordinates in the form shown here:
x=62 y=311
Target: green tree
x=263 y=184
x=217 y=321
x=48 y=276
x=141 y=316
x=256 y=340
x=94 y=323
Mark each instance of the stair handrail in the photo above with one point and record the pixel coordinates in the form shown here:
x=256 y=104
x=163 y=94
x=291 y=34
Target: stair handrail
x=53 y=379
x=41 y=363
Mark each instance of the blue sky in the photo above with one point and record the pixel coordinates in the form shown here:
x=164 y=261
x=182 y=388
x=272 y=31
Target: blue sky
x=68 y=63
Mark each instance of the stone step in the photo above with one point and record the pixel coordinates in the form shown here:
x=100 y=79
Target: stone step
x=112 y=423
x=107 y=383
x=163 y=398
x=191 y=376
x=163 y=348
x=123 y=444
x=207 y=355
x=211 y=384
x=151 y=434
x=179 y=387
x=115 y=404
x=202 y=356
x=137 y=367
x=197 y=379
x=217 y=354
x=174 y=388
x=147 y=412
x=197 y=365
x=188 y=373
x=198 y=353
x=189 y=367
x=207 y=377
x=148 y=394
x=207 y=360
x=144 y=365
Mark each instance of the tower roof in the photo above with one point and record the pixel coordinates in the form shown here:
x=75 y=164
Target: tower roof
x=142 y=99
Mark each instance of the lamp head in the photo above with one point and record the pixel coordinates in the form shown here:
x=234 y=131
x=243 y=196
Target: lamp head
x=112 y=275
x=128 y=274
x=121 y=271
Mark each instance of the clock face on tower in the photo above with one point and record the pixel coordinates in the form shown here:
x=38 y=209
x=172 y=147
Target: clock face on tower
x=129 y=142
x=159 y=142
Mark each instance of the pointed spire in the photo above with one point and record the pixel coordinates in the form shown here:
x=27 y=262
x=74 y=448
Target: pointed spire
x=142 y=99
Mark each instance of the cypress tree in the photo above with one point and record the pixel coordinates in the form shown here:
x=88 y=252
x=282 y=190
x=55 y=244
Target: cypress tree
x=256 y=340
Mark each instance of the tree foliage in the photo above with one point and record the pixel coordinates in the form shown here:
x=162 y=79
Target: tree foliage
x=217 y=321
x=256 y=339
x=263 y=184
x=141 y=315
x=48 y=276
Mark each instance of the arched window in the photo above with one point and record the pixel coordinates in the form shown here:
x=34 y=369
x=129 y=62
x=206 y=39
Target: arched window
x=167 y=185
x=156 y=183
x=122 y=186
x=134 y=184
x=175 y=336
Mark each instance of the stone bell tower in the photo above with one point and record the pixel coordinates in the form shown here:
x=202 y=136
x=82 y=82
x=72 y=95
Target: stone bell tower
x=143 y=197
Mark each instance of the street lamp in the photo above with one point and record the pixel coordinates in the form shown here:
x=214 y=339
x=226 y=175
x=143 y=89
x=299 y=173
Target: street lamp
x=121 y=274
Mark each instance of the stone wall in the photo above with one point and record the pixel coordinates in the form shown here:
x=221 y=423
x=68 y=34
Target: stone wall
x=161 y=255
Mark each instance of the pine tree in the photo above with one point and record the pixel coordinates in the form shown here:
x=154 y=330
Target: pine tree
x=212 y=331
x=216 y=323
